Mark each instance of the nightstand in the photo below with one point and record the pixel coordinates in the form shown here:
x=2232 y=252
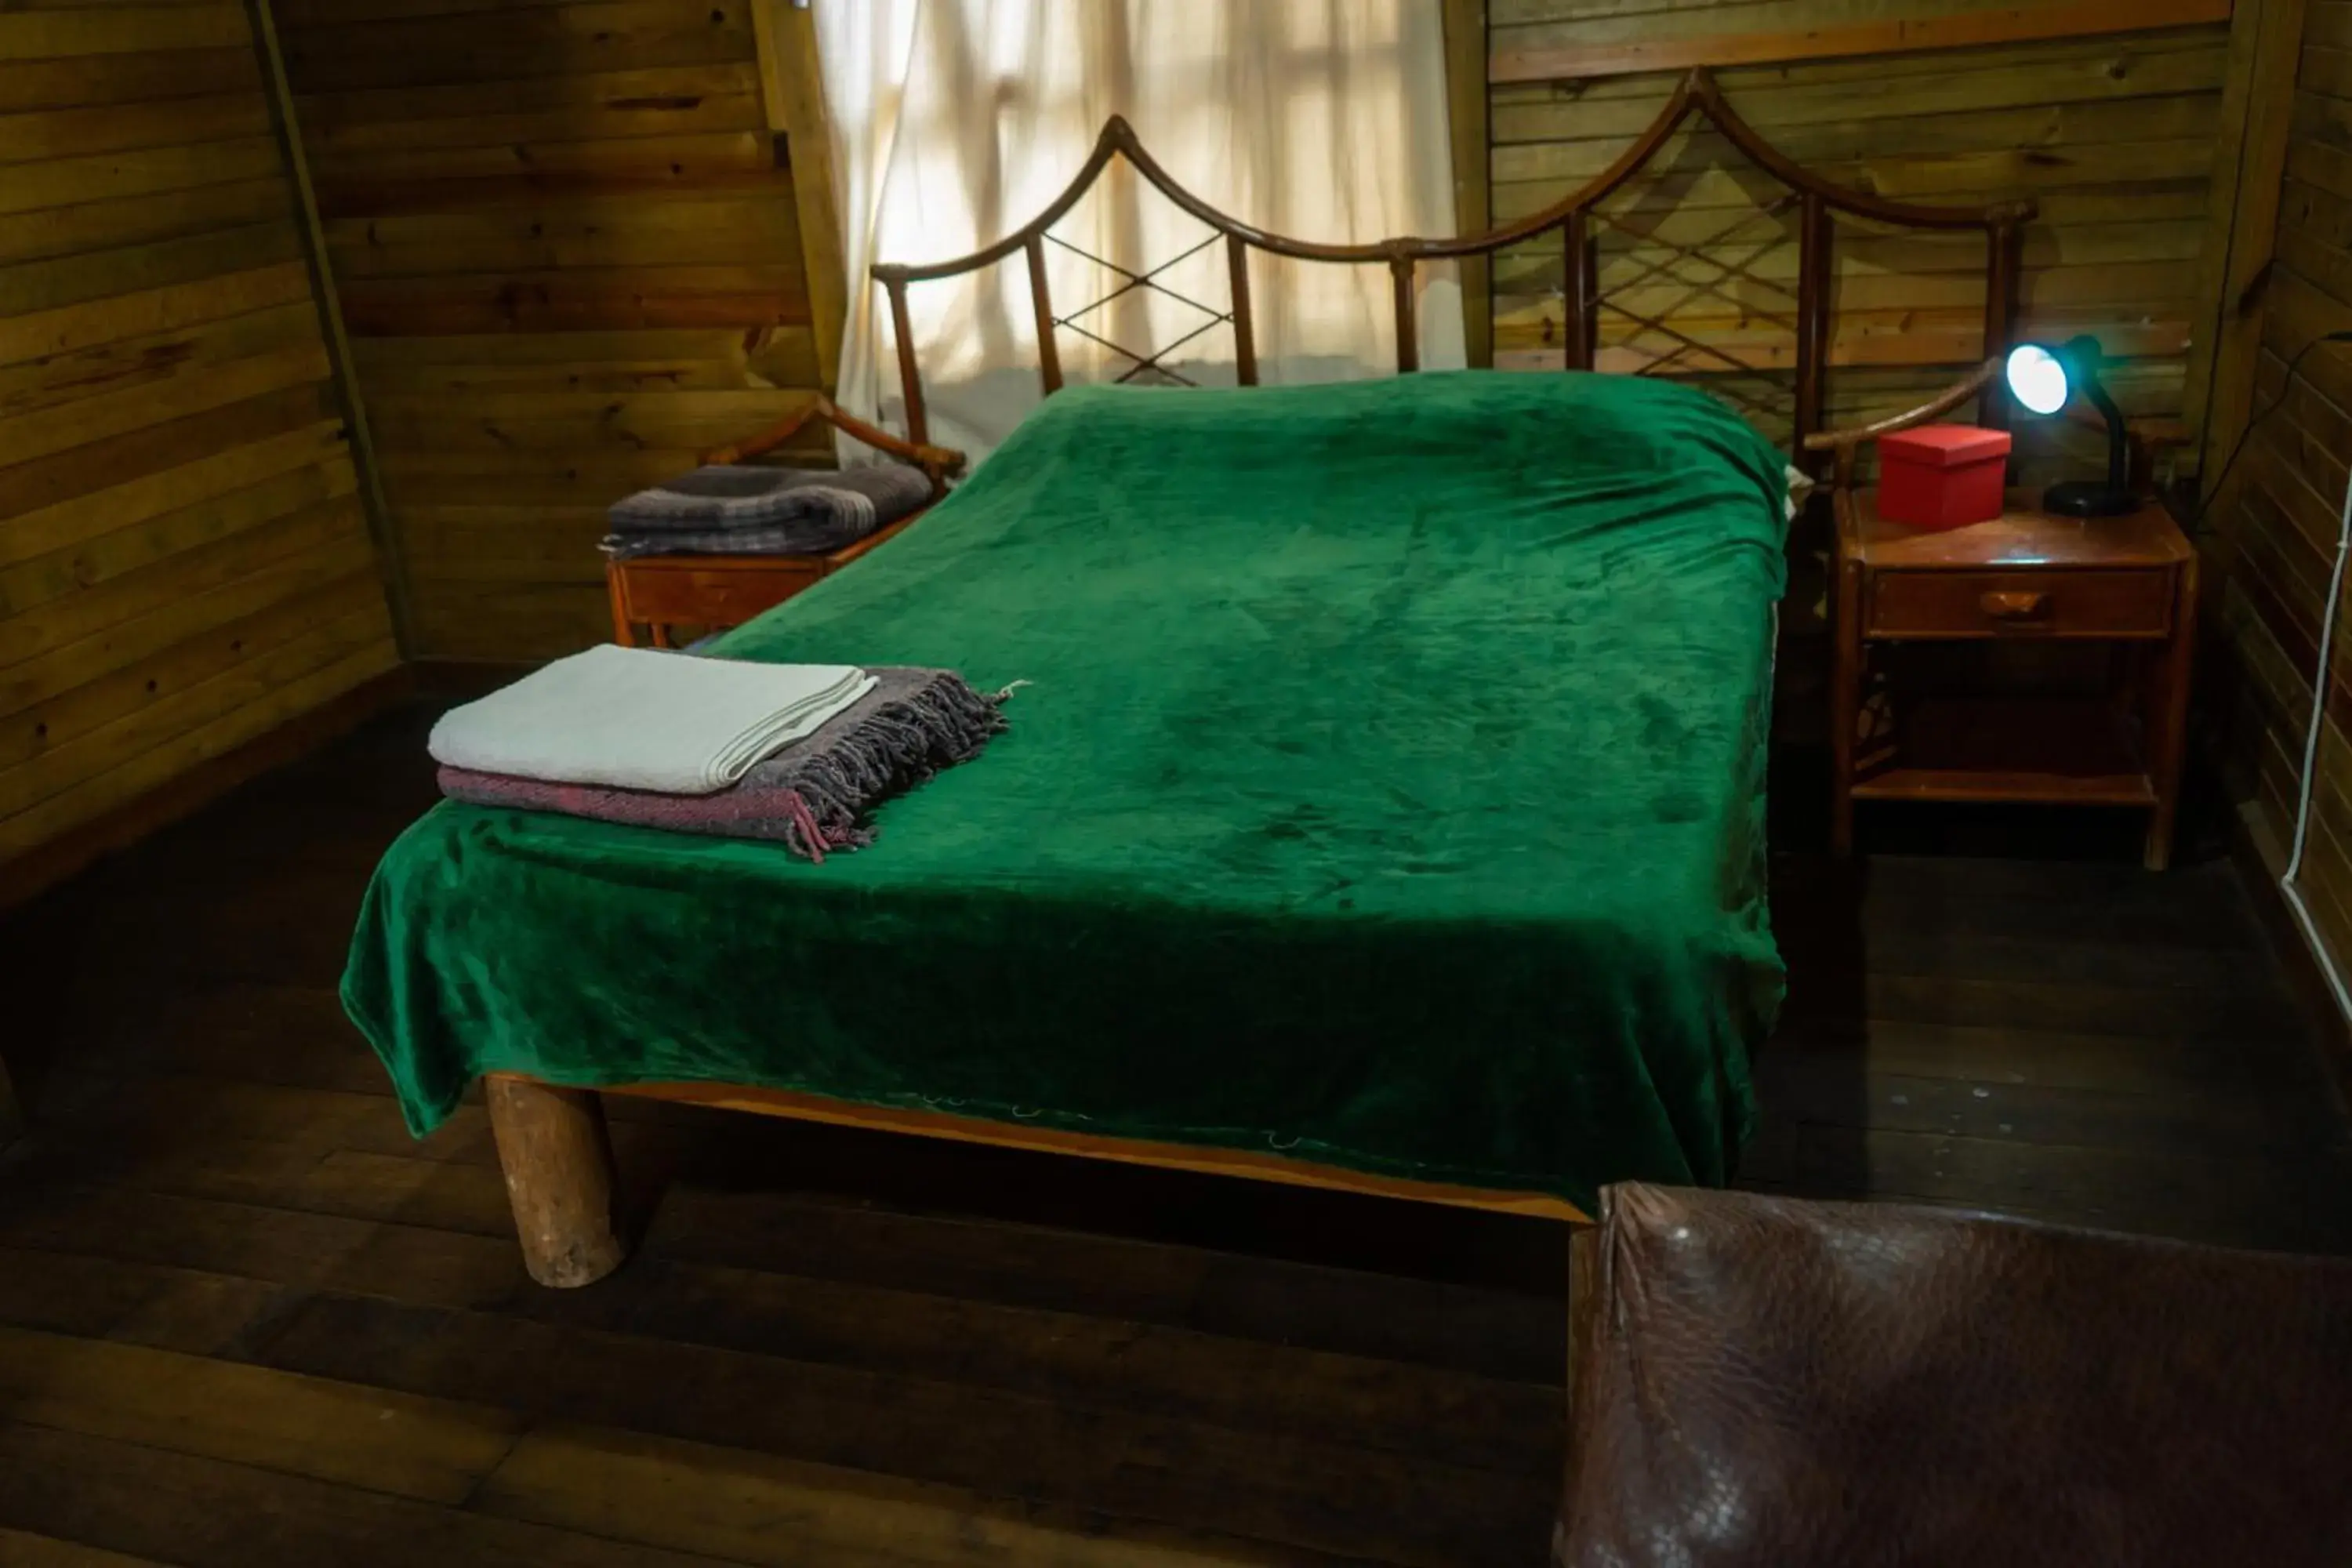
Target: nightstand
x=2129 y=582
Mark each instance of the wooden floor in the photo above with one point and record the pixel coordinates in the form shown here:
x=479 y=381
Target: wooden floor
x=244 y=1320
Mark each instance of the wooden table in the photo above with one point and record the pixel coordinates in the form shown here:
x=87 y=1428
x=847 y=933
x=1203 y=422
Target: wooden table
x=2131 y=581
x=660 y=592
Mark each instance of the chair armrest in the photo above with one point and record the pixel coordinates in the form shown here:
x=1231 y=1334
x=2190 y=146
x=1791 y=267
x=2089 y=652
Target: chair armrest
x=937 y=462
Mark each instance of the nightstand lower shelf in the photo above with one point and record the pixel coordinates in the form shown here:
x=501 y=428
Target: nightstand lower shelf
x=2028 y=751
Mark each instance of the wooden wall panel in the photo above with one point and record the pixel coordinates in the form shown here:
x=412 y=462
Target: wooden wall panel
x=1545 y=41
x=2276 y=518
x=184 y=563
x=2113 y=134
x=569 y=258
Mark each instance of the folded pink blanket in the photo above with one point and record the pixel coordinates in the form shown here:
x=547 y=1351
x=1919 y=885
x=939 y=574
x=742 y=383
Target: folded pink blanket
x=814 y=794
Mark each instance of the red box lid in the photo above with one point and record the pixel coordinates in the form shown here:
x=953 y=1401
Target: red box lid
x=1945 y=445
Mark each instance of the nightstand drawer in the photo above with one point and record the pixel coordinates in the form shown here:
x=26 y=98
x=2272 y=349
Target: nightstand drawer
x=2012 y=602
x=659 y=592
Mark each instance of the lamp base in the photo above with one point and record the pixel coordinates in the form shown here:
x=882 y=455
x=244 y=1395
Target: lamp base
x=2087 y=498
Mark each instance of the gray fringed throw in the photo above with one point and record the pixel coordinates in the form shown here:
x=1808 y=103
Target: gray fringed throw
x=814 y=795
x=746 y=510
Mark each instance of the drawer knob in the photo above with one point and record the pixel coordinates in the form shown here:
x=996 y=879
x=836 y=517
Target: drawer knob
x=2015 y=604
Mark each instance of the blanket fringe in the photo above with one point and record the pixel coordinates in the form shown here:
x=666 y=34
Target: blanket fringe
x=899 y=745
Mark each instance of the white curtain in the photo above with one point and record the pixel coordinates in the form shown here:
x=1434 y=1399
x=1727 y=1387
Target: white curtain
x=956 y=122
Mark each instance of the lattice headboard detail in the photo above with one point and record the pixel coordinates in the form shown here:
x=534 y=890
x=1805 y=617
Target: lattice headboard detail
x=1645 y=337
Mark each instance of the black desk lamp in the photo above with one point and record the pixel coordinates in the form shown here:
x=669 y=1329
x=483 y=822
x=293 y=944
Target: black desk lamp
x=2041 y=379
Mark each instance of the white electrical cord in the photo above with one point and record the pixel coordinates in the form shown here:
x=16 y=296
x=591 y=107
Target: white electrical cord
x=2311 y=764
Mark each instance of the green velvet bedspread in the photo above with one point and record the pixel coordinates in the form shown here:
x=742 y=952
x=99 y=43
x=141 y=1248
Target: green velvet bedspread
x=1387 y=791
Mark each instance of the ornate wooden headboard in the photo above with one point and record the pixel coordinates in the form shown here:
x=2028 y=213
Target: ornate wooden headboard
x=1575 y=219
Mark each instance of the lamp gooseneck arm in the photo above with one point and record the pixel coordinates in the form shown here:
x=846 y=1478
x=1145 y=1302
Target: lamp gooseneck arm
x=2118 y=437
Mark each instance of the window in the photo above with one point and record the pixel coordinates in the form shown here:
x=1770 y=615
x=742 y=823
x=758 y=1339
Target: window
x=957 y=120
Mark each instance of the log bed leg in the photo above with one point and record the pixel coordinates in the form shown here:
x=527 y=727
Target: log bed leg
x=559 y=1169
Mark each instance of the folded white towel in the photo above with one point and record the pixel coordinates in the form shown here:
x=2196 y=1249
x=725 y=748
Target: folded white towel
x=642 y=719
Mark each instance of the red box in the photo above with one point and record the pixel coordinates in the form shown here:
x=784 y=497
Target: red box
x=1942 y=476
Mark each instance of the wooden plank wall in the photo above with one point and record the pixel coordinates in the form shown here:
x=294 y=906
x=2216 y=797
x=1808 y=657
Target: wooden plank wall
x=2275 y=521
x=569 y=259
x=2114 y=134
x=185 y=563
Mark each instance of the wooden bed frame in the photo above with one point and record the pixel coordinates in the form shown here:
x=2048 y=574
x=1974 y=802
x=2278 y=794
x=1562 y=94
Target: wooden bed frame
x=551 y=1140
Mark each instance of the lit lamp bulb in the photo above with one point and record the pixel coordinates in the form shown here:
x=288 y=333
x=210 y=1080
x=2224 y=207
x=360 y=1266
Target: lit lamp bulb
x=2043 y=379
x=2038 y=379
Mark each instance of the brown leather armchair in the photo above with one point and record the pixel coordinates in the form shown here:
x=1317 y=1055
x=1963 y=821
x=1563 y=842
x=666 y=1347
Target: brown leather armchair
x=1767 y=1382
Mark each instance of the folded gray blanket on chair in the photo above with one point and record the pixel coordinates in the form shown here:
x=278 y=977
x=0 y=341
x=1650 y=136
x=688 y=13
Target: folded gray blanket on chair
x=725 y=510
x=814 y=794
x=806 y=538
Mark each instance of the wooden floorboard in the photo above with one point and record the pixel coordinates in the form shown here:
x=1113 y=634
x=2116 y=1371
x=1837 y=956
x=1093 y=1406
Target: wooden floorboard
x=244 y=1317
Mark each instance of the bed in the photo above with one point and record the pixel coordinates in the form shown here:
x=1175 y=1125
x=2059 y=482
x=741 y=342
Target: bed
x=1385 y=789
x=1382 y=806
